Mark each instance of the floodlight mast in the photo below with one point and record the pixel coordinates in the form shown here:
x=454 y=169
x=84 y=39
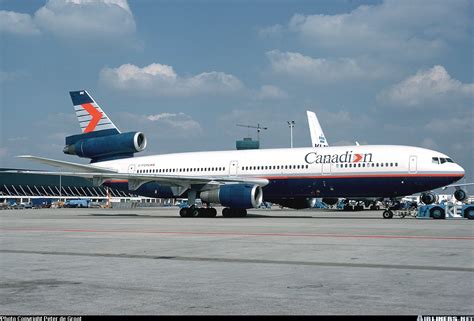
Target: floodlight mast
x=291 y=124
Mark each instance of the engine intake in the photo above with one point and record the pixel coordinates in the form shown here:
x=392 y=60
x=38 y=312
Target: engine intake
x=105 y=147
x=235 y=196
x=429 y=198
x=460 y=195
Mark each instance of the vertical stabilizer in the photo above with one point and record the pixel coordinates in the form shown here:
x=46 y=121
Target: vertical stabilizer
x=89 y=114
x=317 y=136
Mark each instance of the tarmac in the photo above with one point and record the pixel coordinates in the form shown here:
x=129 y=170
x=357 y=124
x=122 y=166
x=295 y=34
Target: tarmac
x=150 y=261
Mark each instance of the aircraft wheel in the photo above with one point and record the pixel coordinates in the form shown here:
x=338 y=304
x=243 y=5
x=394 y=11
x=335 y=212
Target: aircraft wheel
x=226 y=212
x=437 y=213
x=183 y=212
x=212 y=212
x=387 y=214
x=242 y=212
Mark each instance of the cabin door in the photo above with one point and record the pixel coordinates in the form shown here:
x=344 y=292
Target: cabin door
x=233 y=167
x=412 y=167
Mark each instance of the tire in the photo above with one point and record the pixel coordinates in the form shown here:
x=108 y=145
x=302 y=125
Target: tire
x=242 y=213
x=212 y=212
x=437 y=213
x=469 y=212
x=387 y=214
x=226 y=212
x=183 y=212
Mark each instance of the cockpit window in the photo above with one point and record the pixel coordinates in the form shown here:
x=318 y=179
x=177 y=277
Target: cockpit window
x=441 y=160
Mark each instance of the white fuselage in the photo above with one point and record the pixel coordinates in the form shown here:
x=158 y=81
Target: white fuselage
x=370 y=170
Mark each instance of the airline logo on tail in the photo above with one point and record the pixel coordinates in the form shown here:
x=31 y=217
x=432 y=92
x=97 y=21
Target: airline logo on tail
x=89 y=114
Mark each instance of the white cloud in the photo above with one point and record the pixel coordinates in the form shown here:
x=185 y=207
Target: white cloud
x=177 y=121
x=17 y=23
x=86 y=18
x=8 y=76
x=397 y=28
x=4 y=152
x=445 y=125
x=271 y=92
x=74 y=19
x=275 y=30
x=429 y=143
x=433 y=87
x=162 y=80
x=321 y=70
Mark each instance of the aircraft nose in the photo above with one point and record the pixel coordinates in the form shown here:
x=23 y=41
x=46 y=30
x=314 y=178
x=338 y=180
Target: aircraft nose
x=461 y=170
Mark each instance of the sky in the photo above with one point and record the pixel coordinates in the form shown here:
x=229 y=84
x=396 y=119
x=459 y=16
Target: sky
x=186 y=72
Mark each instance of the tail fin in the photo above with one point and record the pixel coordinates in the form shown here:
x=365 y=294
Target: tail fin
x=89 y=114
x=317 y=136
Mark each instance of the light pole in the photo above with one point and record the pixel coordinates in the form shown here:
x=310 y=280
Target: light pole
x=291 y=124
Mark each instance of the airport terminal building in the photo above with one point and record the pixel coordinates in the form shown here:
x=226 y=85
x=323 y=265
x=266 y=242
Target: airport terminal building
x=23 y=188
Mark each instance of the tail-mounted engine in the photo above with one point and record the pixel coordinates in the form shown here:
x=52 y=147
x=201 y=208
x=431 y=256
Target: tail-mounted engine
x=105 y=145
x=235 y=196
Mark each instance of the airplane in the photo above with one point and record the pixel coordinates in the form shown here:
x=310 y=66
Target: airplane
x=243 y=179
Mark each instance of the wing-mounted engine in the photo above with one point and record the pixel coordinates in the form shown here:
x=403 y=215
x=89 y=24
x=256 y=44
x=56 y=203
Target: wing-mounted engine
x=460 y=195
x=241 y=196
x=105 y=145
x=429 y=198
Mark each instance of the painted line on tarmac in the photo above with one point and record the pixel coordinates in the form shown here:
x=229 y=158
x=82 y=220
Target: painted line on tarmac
x=421 y=237
x=248 y=261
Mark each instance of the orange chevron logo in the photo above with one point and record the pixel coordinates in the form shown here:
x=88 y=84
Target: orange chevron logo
x=357 y=157
x=96 y=116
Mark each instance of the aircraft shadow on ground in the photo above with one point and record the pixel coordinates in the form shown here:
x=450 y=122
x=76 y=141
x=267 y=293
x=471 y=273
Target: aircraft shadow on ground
x=249 y=216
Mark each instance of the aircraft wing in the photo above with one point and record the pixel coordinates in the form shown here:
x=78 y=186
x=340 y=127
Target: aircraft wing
x=67 y=165
x=136 y=180
x=457 y=185
x=100 y=175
